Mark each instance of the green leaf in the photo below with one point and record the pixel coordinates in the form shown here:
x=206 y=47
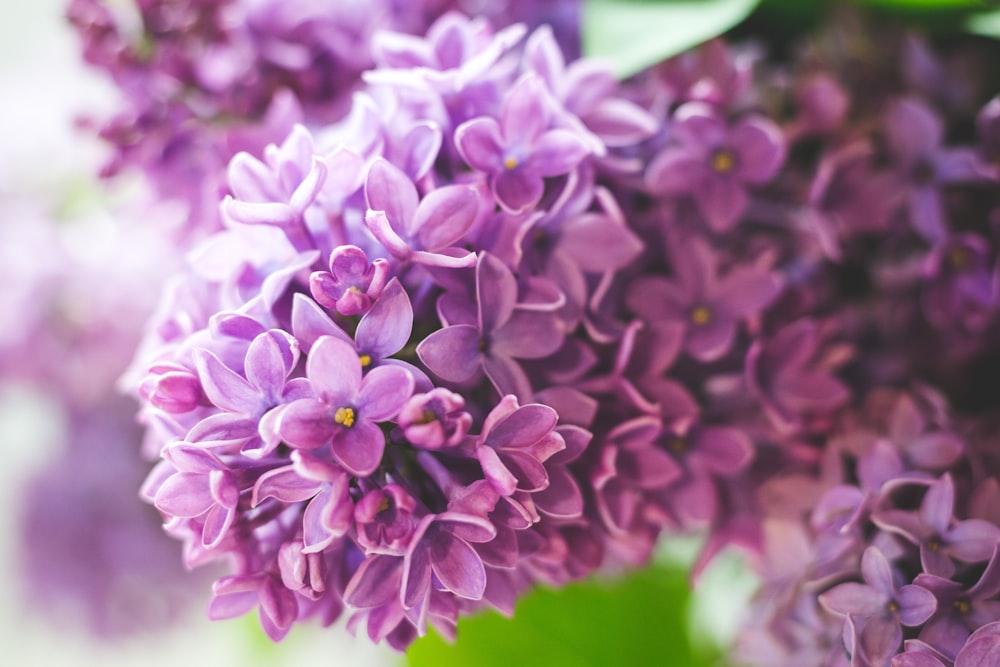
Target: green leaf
x=930 y=4
x=987 y=25
x=635 y=34
x=637 y=620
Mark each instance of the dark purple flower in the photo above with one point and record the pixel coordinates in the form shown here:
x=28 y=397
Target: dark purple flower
x=385 y=520
x=503 y=332
x=347 y=406
x=709 y=306
x=520 y=150
x=714 y=163
x=879 y=607
x=352 y=283
x=784 y=375
x=914 y=135
x=959 y=291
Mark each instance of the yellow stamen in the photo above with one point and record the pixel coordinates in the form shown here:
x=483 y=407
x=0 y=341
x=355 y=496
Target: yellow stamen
x=510 y=163
x=384 y=505
x=701 y=315
x=344 y=417
x=962 y=606
x=723 y=162
x=678 y=445
x=366 y=360
x=426 y=417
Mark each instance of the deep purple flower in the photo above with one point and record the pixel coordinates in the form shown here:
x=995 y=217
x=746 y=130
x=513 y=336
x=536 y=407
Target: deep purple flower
x=347 y=406
x=385 y=519
x=914 y=135
x=520 y=150
x=783 y=374
x=879 y=607
x=709 y=306
x=959 y=291
x=714 y=162
x=503 y=332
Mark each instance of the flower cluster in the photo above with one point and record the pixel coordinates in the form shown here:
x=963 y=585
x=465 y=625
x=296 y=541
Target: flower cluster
x=202 y=80
x=507 y=321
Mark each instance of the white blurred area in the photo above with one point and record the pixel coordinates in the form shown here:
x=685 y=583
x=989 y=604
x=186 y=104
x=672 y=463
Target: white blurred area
x=47 y=168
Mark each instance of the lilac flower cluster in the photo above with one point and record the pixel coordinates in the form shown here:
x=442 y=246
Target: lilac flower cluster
x=203 y=80
x=508 y=321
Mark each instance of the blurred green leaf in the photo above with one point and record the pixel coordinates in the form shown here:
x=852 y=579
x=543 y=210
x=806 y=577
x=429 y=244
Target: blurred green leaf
x=635 y=34
x=987 y=25
x=931 y=4
x=637 y=620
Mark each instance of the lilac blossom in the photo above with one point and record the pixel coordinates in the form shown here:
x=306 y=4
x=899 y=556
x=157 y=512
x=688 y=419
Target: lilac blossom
x=501 y=333
x=520 y=149
x=709 y=306
x=914 y=135
x=352 y=284
x=880 y=607
x=435 y=419
x=347 y=406
x=714 y=162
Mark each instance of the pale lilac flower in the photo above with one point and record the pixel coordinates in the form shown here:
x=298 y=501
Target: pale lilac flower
x=352 y=284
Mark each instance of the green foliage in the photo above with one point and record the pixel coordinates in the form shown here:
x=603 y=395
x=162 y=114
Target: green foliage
x=637 y=620
x=635 y=34
x=987 y=24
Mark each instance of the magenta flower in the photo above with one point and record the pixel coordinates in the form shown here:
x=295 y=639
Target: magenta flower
x=520 y=150
x=435 y=419
x=352 y=283
x=347 y=407
x=715 y=162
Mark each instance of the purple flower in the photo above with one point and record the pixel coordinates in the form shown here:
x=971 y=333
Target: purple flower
x=714 y=162
x=914 y=135
x=326 y=486
x=352 y=284
x=435 y=420
x=707 y=305
x=235 y=595
x=502 y=333
x=347 y=407
x=961 y=610
x=959 y=289
x=988 y=135
x=786 y=378
x=520 y=150
x=421 y=230
x=203 y=487
x=880 y=607
x=515 y=442
x=385 y=519
x=934 y=529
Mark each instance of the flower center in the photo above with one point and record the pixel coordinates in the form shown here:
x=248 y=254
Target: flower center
x=893 y=606
x=701 y=315
x=510 y=163
x=344 y=417
x=924 y=172
x=384 y=505
x=366 y=360
x=723 y=161
x=426 y=417
x=934 y=545
x=962 y=606
x=678 y=445
x=959 y=258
